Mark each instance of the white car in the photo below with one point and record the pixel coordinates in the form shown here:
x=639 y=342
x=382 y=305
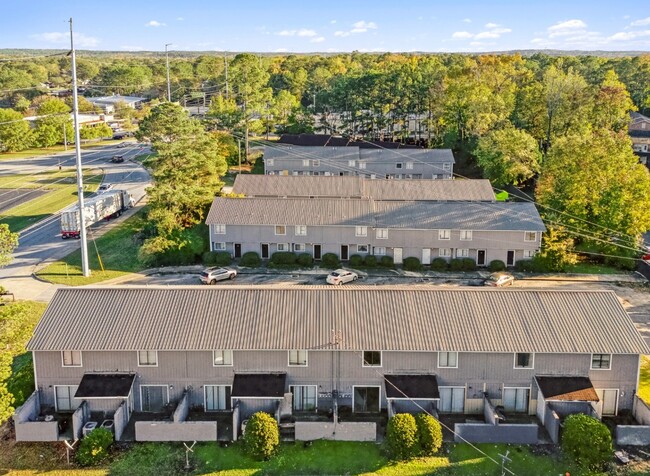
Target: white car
x=105 y=187
x=341 y=276
x=212 y=275
x=500 y=280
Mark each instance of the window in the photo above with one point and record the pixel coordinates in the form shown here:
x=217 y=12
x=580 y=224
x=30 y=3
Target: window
x=269 y=162
x=301 y=230
x=147 y=358
x=466 y=235
x=444 y=234
x=71 y=358
x=462 y=253
x=222 y=358
x=305 y=163
x=379 y=250
x=372 y=358
x=446 y=166
x=283 y=246
x=524 y=360
x=153 y=398
x=297 y=358
x=304 y=397
x=601 y=361
x=398 y=165
x=530 y=236
x=315 y=163
x=299 y=247
x=366 y=399
x=529 y=253
x=452 y=400
x=219 y=246
x=64 y=400
x=352 y=163
x=360 y=231
x=515 y=399
x=444 y=252
x=448 y=359
x=217 y=397
x=362 y=165
x=219 y=229
x=409 y=165
x=362 y=248
x=280 y=230
x=381 y=233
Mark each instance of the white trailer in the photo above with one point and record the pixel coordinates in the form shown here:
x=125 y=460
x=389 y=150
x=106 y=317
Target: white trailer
x=105 y=206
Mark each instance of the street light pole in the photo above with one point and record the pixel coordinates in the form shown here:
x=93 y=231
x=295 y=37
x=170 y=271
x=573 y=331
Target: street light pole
x=169 y=90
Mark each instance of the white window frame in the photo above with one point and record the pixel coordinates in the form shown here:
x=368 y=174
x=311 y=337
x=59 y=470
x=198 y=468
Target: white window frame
x=298 y=354
x=153 y=385
x=315 y=163
x=379 y=251
x=72 y=352
x=462 y=252
x=219 y=245
x=591 y=364
x=352 y=163
x=440 y=366
x=453 y=387
x=305 y=162
x=446 y=167
x=532 y=361
x=529 y=253
x=362 y=165
x=360 y=231
x=282 y=247
x=365 y=249
x=224 y=352
x=503 y=395
x=367 y=386
x=444 y=235
x=381 y=233
x=527 y=234
x=363 y=360
x=409 y=165
x=147 y=365
x=72 y=399
x=466 y=235
x=205 y=396
x=269 y=162
x=299 y=247
x=301 y=230
x=291 y=389
x=399 y=165
x=219 y=229
x=284 y=227
x=444 y=252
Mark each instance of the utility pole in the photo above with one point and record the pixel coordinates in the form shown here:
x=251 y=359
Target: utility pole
x=65 y=138
x=225 y=62
x=80 y=186
x=169 y=89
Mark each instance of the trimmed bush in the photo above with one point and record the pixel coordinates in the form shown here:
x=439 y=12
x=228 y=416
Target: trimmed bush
x=429 y=434
x=356 y=261
x=386 y=262
x=402 y=436
x=535 y=265
x=94 y=447
x=283 y=258
x=250 y=259
x=262 y=435
x=587 y=441
x=330 y=260
x=468 y=264
x=439 y=264
x=456 y=264
x=216 y=258
x=412 y=264
x=497 y=265
x=370 y=261
x=305 y=260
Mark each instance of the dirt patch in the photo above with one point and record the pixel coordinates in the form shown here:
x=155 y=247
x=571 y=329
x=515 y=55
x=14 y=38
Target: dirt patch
x=12 y=197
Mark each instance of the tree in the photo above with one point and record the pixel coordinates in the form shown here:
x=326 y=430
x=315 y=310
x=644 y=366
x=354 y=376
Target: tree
x=613 y=104
x=8 y=242
x=401 y=436
x=508 y=156
x=587 y=440
x=54 y=119
x=262 y=435
x=15 y=133
x=429 y=434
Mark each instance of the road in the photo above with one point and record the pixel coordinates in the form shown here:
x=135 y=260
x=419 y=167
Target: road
x=42 y=241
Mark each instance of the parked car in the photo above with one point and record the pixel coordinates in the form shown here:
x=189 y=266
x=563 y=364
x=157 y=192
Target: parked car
x=212 y=275
x=117 y=159
x=500 y=280
x=341 y=276
x=105 y=187
x=122 y=145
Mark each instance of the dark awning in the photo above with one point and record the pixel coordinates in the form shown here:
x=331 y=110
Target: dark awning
x=105 y=386
x=412 y=386
x=267 y=385
x=572 y=389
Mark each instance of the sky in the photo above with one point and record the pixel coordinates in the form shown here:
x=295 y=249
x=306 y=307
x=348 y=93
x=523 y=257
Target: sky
x=316 y=26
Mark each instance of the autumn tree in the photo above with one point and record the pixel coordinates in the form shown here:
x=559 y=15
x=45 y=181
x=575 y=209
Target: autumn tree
x=54 y=124
x=613 y=104
x=15 y=133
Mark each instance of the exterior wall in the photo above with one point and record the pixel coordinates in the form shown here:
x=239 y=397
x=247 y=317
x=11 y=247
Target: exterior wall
x=120 y=421
x=29 y=430
x=79 y=419
x=346 y=431
x=637 y=435
x=168 y=431
x=518 y=434
x=641 y=411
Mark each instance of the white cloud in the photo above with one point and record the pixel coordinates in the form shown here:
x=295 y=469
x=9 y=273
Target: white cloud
x=628 y=35
x=132 y=48
x=341 y=33
x=361 y=26
x=155 y=23
x=494 y=31
x=301 y=32
x=318 y=39
x=462 y=34
x=467 y=20
x=333 y=22
x=491 y=25
x=281 y=50
x=643 y=22
x=180 y=19
x=568 y=27
x=80 y=40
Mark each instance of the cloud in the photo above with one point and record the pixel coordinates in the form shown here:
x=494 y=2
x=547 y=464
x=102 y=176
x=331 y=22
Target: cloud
x=132 y=48
x=57 y=37
x=462 y=34
x=333 y=22
x=643 y=22
x=155 y=23
x=629 y=35
x=491 y=25
x=467 y=20
x=494 y=31
x=341 y=33
x=361 y=26
x=318 y=39
x=281 y=50
x=568 y=27
x=301 y=32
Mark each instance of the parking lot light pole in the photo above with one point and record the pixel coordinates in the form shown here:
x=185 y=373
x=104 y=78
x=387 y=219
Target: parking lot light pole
x=169 y=90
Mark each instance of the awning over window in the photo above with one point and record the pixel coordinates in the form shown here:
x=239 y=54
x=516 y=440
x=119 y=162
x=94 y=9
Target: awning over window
x=266 y=385
x=105 y=386
x=571 y=389
x=412 y=386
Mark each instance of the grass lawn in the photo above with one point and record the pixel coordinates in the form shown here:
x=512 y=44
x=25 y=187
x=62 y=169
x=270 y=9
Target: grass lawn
x=593 y=268
x=61 y=190
x=644 y=379
x=37 y=152
x=118 y=250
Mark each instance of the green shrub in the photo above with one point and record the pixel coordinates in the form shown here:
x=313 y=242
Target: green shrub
x=412 y=264
x=429 y=434
x=387 y=262
x=587 y=441
x=439 y=264
x=535 y=265
x=305 y=260
x=370 y=261
x=330 y=260
x=402 y=436
x=250 y=259
x=497 y=265
x=356 y=261
x=216 y=258
x=94 y=447
x=456 y=264
x=283 y=258
x=468 y=264
x=262 y=435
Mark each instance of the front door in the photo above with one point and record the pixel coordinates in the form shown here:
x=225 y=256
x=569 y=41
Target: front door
x=511 y=258
x=480 y=258
x=153 y=397
x=344 y=252
x=317 y=252
x=397 y=255
x=265 y=251
x=237 y=250
x=426 y=255
x=609 y=399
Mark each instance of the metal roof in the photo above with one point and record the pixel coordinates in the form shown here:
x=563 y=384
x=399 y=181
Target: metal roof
x=414 y=215
x=429 y=156
x=296 y=152
x=336 y=154
x=254 y=185
x=399 y=318
x=115 y=99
